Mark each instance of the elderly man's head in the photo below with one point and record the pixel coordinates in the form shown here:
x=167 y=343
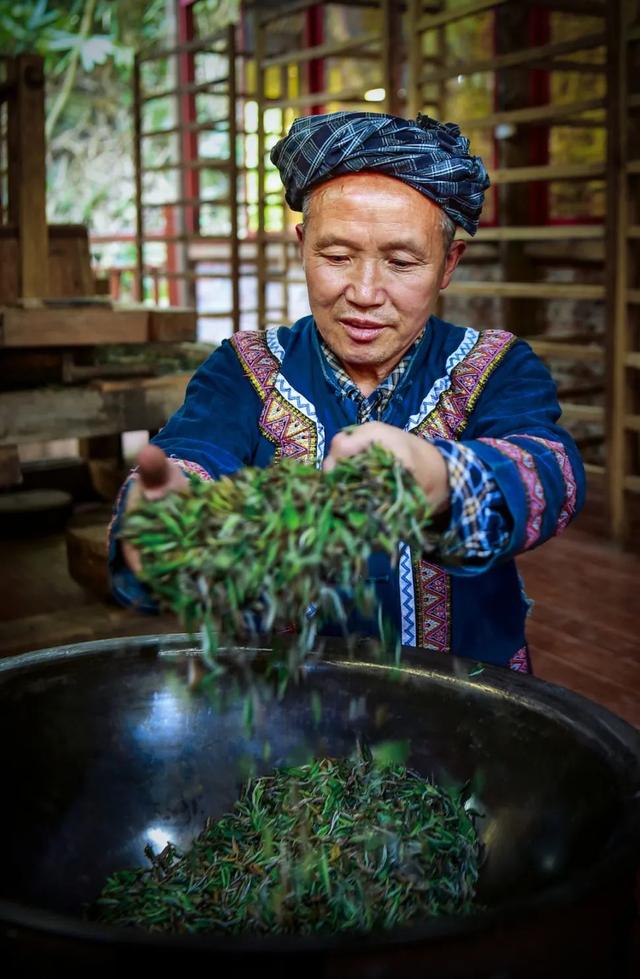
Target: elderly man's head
x=376 y=254
x=381 y=197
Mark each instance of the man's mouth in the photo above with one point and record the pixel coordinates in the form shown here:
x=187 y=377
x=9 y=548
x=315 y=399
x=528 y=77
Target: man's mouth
x=360 y=330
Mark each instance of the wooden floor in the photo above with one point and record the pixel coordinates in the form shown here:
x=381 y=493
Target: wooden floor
x=584 y=630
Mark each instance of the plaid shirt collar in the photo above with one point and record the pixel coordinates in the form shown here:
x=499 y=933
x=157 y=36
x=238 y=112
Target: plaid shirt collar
x=373 y=406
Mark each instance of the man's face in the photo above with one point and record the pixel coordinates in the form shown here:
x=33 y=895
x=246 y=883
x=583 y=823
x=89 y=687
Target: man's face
x=374 y=260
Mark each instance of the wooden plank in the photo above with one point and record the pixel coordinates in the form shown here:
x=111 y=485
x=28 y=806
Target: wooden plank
x=527 y=290
x=195 y=88
x=10 y=472
x=568 y=351
x=172 y=324
x=633 y=360
x=429 y=21
x=70 y=273
x=548 y=232
x=514 y=59
x=102 y=408
x=72 y=326
x=204 y=43
x=590 y=8
x=584 y=413
x=558 y=171
x=632 y=483
x=87 y=557
x=533 y=114
x=632 y=423
x=320 y=98
x=328 y=50
x=27 y=173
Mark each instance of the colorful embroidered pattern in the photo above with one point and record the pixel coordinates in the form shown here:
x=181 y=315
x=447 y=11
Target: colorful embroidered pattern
x=293 y=434
x=192 y=467
x=432 y=587
x=468 y=378
x=533 y=487
x=407 y=597
x=258 y=363
x=287 y=419
x=568 y=508
x=520 y=661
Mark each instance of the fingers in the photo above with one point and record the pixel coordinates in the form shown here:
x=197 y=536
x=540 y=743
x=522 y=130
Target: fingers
x=153 y=467
x=349 y=442
x=158 y=475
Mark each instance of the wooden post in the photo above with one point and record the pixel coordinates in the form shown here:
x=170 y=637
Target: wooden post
x=261 y=244
x=414 y=59
x=27 y=174
x=621 y=213
x=137 y=157
x=233 y=179
x=513 y=91
x=390 y=55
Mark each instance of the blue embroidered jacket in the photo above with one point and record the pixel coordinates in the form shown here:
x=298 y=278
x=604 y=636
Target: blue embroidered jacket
x=264 y=396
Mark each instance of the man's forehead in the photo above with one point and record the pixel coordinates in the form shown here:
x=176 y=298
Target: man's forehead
x=373 y=199
x=356 y=185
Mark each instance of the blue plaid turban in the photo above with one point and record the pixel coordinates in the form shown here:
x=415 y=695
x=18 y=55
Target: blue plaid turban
x=429 y=156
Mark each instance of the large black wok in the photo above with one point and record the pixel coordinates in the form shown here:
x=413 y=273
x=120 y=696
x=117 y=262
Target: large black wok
x=104 y=749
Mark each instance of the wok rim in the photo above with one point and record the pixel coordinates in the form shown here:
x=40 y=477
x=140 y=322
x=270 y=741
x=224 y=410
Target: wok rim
x=596 y=722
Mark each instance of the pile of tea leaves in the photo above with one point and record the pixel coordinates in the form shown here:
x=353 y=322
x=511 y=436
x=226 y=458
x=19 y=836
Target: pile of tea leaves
x=335 y=845
x=276 y=549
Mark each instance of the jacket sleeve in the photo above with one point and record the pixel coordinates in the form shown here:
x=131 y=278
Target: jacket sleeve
x=533 y=461
x=214 y=433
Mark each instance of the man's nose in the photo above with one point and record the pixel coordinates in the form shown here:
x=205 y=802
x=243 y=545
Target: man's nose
x=364 y=287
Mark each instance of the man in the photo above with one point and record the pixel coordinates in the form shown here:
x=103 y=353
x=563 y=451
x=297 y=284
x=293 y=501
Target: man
x=471 y=415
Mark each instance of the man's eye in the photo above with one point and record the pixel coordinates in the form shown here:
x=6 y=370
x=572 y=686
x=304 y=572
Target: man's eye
x=399 y=264
x=337 y=258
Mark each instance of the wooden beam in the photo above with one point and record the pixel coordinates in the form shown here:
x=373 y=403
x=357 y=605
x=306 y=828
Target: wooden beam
x=304 y=101
x=172 y=324
x=515 y=59
x=527 y=290
x=472 y=9
x=567 y=351
x=72 y=326
x=558 y=171
x=550 y=232
x=584 y=413
x=533 y=114
x=27 y=173
x=328 y=50
x=101 y=408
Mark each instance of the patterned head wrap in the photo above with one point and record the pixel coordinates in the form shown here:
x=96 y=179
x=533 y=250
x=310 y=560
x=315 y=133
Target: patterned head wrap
x=429 y=156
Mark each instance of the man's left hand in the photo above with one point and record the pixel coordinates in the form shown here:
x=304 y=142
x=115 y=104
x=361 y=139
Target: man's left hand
x=421 y=458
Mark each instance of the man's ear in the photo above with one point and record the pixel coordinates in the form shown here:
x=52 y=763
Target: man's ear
x=300 y=237
x=455 y=253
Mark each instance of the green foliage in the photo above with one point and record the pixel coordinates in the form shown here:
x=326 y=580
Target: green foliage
x=331 y=846
x=261 y=547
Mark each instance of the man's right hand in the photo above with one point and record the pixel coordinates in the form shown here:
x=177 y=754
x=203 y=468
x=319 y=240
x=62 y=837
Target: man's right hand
x=157 y=475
